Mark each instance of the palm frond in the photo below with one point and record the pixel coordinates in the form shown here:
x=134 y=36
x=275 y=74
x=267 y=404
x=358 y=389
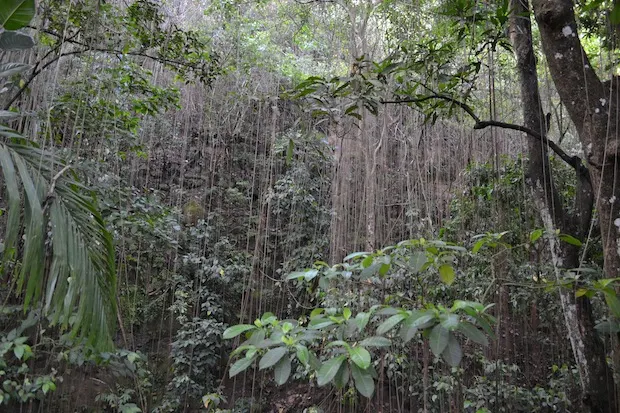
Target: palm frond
x=74 y=280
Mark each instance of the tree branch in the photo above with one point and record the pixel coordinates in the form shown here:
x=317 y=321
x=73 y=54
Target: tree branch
x=572 y=161
x=462 y=105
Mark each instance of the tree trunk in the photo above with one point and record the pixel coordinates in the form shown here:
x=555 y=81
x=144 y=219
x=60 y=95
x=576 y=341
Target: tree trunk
x=592 y=110
x=587 y=348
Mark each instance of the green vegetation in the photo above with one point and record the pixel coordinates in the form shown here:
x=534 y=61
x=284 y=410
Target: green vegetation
x=309 y=206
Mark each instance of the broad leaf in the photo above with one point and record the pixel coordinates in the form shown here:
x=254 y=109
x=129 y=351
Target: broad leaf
x=472 y=333
x=303 y=355
x=15 y=14
x=329 y=369
x=282 y=370
x=240 y=365
x=234 y=331
x=361 y=320
x=438 y=339
x=342 y=376
x=272 y=357
x=453 y=353
x=360 y=356
x=15 y=41
x=390 y=323
x=446 y=273
x=364 y=382
x=450 y=322
x=376 y=342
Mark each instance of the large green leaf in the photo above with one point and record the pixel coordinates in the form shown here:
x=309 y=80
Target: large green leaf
x=363 y=381
x=360 y=356
x=234 y=331
x=446 y=273
x=390 y=323
x=15 y=14
x=342 y=376
x=329 y=369
x=376 y=342
x=15 y=41
x=472 y=333
x=438 y=339
x=272 y=357
x=240 y=365
x=282 y=371
x=453 y=353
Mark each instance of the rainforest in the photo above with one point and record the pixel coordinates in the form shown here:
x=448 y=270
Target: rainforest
x=312 y=206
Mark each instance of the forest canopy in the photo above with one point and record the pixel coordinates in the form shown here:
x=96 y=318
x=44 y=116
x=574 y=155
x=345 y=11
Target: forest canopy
x=309 y=206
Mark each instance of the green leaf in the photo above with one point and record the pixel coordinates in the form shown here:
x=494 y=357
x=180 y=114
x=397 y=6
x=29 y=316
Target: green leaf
x=272 y=357
x=613 y=303
x=446 y=273
x=129 y=408
x=19 y=351
x=342 y=377
x=361 y=320
x=417 y=261
x=319 y=323
x=329 y=369
x=390 y=323
x=234 y=331
x=363 y=381
x=367 y=262
x=479 y=244
x=609 y=327
x=346 y=313
x=438 y=339
x=570 y=240
x=409 y=327
x=15 y=41
x=282 y=371
x=303 y=355
x=9 y=69
x=15 y=14
x=360 y=356
x=534 y=235
x=240 y=365
x=450 y=322
x=452 y=354
x=376 y=342
x=472 y=333
x=354 y=255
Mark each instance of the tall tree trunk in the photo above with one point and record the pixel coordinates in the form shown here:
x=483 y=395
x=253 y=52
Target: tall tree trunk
x=587 y=348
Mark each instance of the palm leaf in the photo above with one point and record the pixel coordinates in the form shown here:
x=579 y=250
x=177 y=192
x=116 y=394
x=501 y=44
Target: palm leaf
x=77 y=288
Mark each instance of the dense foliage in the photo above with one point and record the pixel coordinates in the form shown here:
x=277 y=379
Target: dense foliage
x=234 y=206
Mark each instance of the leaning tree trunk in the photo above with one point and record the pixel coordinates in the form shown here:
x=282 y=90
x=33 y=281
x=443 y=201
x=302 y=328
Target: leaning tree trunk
x=587 y=348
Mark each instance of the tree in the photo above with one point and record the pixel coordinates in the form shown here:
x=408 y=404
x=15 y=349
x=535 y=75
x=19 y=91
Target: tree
x=596 y=379
x=65 y=264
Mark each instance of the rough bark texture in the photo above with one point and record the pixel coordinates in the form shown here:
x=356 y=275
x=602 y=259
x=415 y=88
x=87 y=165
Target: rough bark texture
x=596 y=383
x=592 y=110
